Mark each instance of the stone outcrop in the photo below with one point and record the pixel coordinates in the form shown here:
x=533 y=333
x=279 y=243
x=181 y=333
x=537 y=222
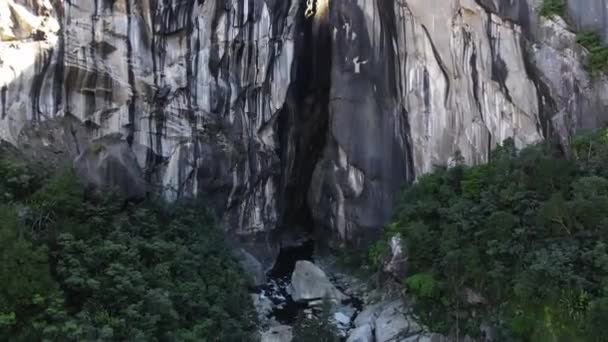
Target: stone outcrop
x=109 y=164
x=282 y=115
x=251 y=266
x=393 y=323
x=361 y=334
x=391 y=320
x=281 y=333
x=310 y=283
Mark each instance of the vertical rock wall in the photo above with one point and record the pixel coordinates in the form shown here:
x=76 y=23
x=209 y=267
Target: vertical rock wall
x=281 y=114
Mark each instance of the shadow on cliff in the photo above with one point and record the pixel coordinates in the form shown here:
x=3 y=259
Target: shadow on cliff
x=304 y=122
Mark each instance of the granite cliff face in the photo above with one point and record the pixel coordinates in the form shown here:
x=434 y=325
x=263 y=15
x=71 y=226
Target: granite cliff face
x=286 y=113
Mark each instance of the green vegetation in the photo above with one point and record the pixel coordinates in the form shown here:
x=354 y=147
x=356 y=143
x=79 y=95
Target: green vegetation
x=551 y=8
x=80 y=267
x=597 y=61
x=520 y=243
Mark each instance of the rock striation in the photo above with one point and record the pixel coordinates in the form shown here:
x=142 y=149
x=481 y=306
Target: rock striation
x=290 y=112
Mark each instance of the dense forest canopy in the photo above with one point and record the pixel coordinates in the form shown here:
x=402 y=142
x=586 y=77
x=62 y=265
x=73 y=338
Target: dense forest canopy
x=82 y=266
x=520 y=243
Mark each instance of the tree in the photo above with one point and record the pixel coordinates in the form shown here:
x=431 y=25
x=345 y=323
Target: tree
x=79 y=265
x=527 y=218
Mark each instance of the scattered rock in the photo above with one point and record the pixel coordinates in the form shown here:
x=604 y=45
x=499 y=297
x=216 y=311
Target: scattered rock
x=281 y=333
x=263 y=305
x=342 y=319
x=309 y=282
x=346 y=310
x=363 y=333
x=393 y=322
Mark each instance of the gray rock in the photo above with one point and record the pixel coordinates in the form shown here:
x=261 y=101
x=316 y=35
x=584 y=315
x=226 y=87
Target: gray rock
x=281 y=333
x=342 y=319
x=309 y=282
x=346 y=311
x=393 y=322
x=396 y=264
x=386 y=91
x=580 y=101
x=110 y=164
x=252 y=267
x=590 y=15
x=368 y=315
x=263 y=306
x=363 y=333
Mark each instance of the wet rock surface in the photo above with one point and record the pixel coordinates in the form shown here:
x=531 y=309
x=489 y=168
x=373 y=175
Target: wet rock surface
x=281 y=333
x=279 y=302
x=359 y=312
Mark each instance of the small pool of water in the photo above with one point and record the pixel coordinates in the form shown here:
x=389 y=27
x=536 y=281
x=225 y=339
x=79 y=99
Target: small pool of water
x=286 y=310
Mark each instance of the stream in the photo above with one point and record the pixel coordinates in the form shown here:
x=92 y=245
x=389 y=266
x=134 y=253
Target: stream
x=276 y=306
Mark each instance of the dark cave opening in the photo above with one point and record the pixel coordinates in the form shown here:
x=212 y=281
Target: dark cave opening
x=287 y=310
x=288 y=256
x=303 y=126
x=304 y=122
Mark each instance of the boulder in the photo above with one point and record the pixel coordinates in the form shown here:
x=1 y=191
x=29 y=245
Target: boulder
x=109 y=164
x=281 y=333
x=363 y=333
x=368 y=315
x=309 y=282
x=393 y=322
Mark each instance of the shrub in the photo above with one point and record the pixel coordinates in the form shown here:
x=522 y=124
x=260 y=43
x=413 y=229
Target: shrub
x=597 y=60
x=423 y=285
x=528 y=231
x=82 y=267
x=551 y=8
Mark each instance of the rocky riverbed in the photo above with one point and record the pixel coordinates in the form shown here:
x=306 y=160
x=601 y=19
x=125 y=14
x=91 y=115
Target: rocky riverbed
x=300 y=281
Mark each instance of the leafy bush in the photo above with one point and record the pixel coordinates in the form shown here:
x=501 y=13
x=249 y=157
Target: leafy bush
x=24 y=275
x=423 y=285
x=528 y=232
x=551 y=8
x=17 y=180
x=83 y=267
x=597 y=61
